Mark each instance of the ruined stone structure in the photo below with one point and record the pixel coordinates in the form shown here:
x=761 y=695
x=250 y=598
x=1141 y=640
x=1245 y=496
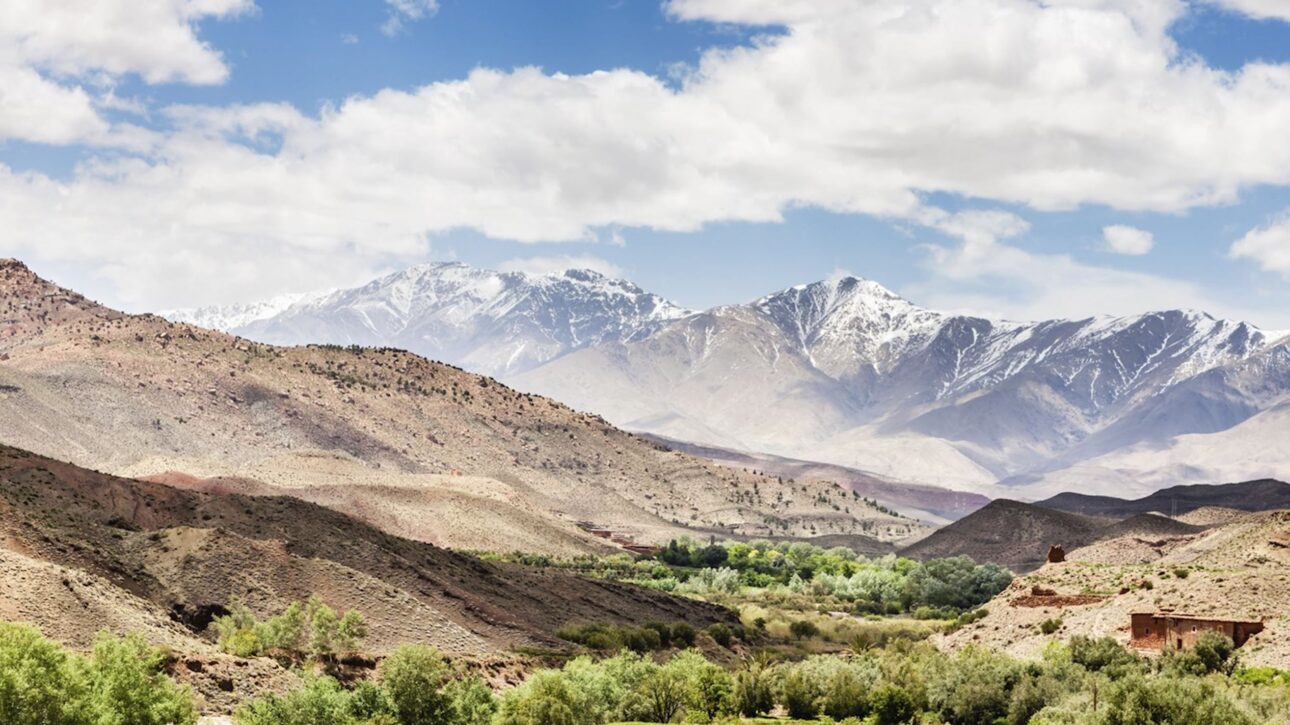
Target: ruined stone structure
x=1170 y=630
x=1056 y=554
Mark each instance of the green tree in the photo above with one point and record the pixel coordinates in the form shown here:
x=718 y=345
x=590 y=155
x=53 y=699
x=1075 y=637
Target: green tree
x=39 y=682
x=753 y=695
x=414 y=677
x=471 y=701
x=320 y=701
x=128 y=687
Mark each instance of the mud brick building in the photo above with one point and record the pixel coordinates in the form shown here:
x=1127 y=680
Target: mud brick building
x=1170 y=630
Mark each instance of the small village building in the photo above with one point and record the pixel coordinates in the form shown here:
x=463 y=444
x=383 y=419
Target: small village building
x=1170 y=630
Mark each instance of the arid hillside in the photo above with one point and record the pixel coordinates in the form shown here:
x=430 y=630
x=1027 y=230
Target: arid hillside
x=416 y=448
x=1014 y=534
x=1233 y=571
x=1262 y=495
x=81 y=551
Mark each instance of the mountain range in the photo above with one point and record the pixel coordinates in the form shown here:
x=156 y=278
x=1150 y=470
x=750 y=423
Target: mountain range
x=415 y=448
x=846 y=372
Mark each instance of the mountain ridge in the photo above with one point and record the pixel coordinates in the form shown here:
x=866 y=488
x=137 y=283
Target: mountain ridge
x=847 y=372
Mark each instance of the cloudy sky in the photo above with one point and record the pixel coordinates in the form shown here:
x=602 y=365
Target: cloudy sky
x=1009 y=157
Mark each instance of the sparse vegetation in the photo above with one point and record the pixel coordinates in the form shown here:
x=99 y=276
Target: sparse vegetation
x=308 y=629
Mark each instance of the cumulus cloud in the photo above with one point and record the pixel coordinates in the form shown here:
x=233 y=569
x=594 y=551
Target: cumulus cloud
x=559 y=263
x=849 y=107
x=1261 y=9
x=1268 y=246
x=50 y=50
x=405 y=11
x=989 y=277
x=1131 y=241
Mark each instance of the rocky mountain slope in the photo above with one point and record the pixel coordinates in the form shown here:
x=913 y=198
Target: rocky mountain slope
x=417 y=448
x=488 y=322
x=1265 y=495
x=1010 y=533
x=846 y=372
x=82 y=550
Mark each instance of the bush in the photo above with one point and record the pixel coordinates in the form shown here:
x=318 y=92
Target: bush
x=1097 y=655
x=721 y=634
x=1049 y=626
x=1186 y=701
x=120 y=683
x=304 y=628
x=683 y=634
x=891 y=705
x=1182 y=573
x=414 y=677
x=753 y=695
x=799 y=693
x=39 y=681
x=803 y=629
x=320 y=701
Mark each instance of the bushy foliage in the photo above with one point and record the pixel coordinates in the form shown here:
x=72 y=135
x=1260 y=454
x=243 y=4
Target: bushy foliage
x=1178 y=701
x=414 y=686
x=120 y=683
x=613 y=637
x=303 y=629
x=1104 y=655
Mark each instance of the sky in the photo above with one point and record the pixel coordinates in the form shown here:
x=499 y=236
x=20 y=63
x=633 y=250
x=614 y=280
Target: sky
x=1008 y=158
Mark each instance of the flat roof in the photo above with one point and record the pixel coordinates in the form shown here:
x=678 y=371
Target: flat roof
x=1196 y=617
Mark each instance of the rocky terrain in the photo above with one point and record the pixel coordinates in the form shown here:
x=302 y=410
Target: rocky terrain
x=1264 y=495
x=81 y=551
x=1236 y=570
x=927 y=503
x=1014 y=534
x=417 y=448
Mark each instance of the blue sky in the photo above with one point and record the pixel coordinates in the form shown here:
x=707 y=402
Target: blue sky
x=709 y=150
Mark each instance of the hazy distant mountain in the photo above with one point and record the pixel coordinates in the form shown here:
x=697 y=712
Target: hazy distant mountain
x=847 y=372
x=489 y=322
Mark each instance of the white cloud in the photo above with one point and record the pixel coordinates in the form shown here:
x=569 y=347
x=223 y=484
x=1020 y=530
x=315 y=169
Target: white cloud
x=49 y=50
x=987 y=277
x=1131 y=241
x=855 y=107
x=1269 y=245
x=1261 y=9
x=559 y=263
x=404 y=11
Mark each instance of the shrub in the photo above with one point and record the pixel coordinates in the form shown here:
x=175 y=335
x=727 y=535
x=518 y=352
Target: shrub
x=414 y=676
x=120 y=683
x=1186 y=701
x=683 y=634
x=1096 y=655
x=1049 y=626
x=311 y=628
x=973 y=687
x=127 y=686
x=39 y=682
x=471 y=701
x=721 y=634
x=799 y=692
x=891 y=705
x=320 y=701
x=1182 y=573
x=753 y=695
x=803 y=629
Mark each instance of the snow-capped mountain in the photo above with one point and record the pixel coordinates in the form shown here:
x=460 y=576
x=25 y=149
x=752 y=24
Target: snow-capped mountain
x=229 y=317
x=490 y=322
x=847 y=372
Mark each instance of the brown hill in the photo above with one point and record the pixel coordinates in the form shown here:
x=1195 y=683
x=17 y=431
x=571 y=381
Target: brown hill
x=1010 y=533
x=1262 y=495
x=417 y=448
x=184 y=554
x=928 y=503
